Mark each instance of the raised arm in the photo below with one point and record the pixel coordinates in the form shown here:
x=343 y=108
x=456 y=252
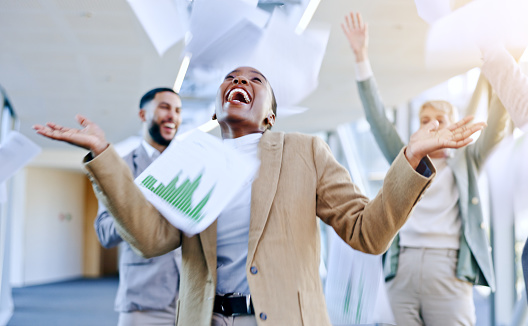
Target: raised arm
x=422 y=142
x=369 y=226
x=497 y=119
x=90 y=137
x=137 y=221
x=387 y=138
x=508 y=81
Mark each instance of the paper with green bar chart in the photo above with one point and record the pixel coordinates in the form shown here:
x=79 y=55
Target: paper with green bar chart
x=355 y=289
x=193 y=180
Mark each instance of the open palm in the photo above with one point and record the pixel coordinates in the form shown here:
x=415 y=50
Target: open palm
x=429 y=138
x=356 y=31
x=90 y=137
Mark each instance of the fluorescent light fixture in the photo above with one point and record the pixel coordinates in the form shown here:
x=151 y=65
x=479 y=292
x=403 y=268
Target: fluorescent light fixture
x=181 y=74
x=307 y=16
x=208 y=126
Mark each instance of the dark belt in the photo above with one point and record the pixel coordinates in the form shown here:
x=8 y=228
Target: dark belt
x=233 y=304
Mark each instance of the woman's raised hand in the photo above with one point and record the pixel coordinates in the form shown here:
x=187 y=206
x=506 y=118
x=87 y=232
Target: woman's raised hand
x=90 y=136
x=429 y=138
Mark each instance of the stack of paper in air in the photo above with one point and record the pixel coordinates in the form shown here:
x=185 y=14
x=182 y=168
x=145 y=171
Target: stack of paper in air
x=222 y=35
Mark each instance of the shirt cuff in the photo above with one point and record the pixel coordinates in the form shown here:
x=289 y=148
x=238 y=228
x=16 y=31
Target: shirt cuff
x=423 y=169
x=363 y=70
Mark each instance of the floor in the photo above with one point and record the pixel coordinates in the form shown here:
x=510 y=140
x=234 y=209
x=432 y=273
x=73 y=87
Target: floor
x=90 y=302
x=80 y=302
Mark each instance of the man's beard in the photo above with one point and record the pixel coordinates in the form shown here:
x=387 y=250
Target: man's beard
x=155 y=133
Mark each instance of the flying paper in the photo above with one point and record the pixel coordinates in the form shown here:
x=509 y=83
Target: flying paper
x=454 y=39
x=162 y=21
x=15 y=152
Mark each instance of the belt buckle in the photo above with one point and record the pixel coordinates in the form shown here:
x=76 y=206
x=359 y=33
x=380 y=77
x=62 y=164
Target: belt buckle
x=239 y=295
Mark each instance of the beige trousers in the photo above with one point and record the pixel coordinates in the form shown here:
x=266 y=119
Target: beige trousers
x=425 y=290
x=221 y=320
x=165 y=317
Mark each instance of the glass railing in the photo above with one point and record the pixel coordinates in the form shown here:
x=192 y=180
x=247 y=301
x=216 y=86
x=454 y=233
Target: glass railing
x=8 y=122
x=8 y=117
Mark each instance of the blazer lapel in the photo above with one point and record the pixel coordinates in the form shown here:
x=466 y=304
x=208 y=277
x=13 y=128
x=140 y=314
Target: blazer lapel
x=264 y=187
x=459 y=167
x=141 y=160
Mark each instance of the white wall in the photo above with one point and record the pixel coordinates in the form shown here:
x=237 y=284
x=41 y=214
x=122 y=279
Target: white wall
x=48 y=241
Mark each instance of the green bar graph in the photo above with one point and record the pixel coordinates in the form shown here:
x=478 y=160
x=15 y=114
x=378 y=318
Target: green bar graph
x=179 y=196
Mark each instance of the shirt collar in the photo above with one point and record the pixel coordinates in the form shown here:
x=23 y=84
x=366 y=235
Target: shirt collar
x=151 y=151
x=244 y=141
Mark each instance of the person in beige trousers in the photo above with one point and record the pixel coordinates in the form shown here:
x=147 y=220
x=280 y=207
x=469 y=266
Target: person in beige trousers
x=443 y=249
x=297 y=180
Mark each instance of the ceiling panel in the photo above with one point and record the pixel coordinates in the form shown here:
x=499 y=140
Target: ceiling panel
x=93 y=5
x=21 y=5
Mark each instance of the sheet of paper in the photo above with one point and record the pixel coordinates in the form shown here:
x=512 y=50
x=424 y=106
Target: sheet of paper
x=432 y=10
x=162 y=20
x=226 y=40
x=225 y=52
x=211 y=20
x=15 y=152
x=193 y=180
x=291 y=62
x=454 y=39
x=354 y=289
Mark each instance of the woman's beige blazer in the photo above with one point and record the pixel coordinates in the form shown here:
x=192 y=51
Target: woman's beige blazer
x=299 y=180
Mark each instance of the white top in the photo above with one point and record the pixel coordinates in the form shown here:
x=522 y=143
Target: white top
x=233 y=225
x=435 y=221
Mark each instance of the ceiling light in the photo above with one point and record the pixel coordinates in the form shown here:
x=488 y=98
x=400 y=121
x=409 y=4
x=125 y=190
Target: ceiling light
x=181 y=73
x=307 y=16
